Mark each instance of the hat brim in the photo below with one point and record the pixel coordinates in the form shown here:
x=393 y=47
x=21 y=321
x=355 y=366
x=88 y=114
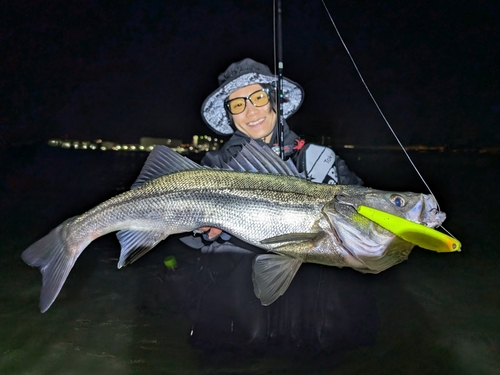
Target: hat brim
x=214 y=113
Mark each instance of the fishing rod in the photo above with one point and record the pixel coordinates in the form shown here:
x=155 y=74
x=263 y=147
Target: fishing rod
x=278 y=69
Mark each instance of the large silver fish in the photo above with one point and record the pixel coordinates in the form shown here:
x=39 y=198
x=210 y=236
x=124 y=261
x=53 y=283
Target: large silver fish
x=294 y=219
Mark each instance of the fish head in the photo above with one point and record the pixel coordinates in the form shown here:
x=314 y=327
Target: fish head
x=370 y=247
x=419 y=208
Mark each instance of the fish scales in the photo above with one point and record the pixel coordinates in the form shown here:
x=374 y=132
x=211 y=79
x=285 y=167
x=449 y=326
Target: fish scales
x=267 y=204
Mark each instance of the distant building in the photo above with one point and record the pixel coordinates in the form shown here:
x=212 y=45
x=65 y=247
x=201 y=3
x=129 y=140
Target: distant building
x=150 y=141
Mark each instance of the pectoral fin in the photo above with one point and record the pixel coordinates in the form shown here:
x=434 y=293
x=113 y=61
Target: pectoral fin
x=136 y=243
x=272 y=274
x=290 y=237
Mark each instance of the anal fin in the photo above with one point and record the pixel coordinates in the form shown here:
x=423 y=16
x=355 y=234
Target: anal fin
x=137 y=243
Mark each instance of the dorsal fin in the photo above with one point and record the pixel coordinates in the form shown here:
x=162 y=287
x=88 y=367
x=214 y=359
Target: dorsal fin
x=252 y=158
x=261 y=159
x=162 y=161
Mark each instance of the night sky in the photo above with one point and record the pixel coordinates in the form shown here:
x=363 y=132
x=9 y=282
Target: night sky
x=119 y=70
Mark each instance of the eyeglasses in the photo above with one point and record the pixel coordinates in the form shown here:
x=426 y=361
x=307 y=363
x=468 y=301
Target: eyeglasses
x=258 y=98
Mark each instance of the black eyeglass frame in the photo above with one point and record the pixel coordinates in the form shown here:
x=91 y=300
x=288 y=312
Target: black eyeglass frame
x=264 y=89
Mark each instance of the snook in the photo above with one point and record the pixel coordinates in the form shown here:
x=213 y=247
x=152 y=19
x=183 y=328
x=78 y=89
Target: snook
x=295 y=220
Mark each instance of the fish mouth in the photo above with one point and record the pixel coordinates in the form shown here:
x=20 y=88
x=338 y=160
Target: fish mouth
x=427 y=213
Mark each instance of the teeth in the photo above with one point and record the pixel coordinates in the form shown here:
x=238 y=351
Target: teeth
x=255 y=122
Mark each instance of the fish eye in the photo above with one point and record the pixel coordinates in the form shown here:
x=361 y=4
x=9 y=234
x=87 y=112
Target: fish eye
x=397 y=200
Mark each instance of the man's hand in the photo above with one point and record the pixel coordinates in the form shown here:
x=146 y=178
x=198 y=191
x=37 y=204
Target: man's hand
x=211 y=231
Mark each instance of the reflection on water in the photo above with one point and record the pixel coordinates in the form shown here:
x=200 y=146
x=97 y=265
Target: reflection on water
x=433 y=314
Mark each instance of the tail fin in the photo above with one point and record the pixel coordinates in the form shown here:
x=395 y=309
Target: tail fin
x=55 y=261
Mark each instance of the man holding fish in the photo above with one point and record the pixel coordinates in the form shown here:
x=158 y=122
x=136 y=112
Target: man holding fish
x=255 y=196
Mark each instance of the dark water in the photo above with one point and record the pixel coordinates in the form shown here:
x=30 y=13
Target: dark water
x=433 y=314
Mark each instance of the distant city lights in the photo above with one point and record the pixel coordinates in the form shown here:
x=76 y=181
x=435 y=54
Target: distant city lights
x=200 y=143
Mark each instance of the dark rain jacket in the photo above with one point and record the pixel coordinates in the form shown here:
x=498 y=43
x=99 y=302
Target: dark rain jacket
x=293 y=148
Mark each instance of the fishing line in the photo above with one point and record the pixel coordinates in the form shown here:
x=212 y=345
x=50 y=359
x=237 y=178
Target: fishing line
x=376 y=104
x=382 y=114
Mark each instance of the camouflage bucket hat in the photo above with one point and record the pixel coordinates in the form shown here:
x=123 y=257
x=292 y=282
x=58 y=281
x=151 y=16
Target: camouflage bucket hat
x=240 y=74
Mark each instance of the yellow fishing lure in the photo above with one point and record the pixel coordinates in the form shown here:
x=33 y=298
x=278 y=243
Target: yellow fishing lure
x=417 y=234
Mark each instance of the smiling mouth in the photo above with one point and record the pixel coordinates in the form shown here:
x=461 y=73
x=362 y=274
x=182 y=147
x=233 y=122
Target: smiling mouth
x=257 y=122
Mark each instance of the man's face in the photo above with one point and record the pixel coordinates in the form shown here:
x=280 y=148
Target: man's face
x=256 y=122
